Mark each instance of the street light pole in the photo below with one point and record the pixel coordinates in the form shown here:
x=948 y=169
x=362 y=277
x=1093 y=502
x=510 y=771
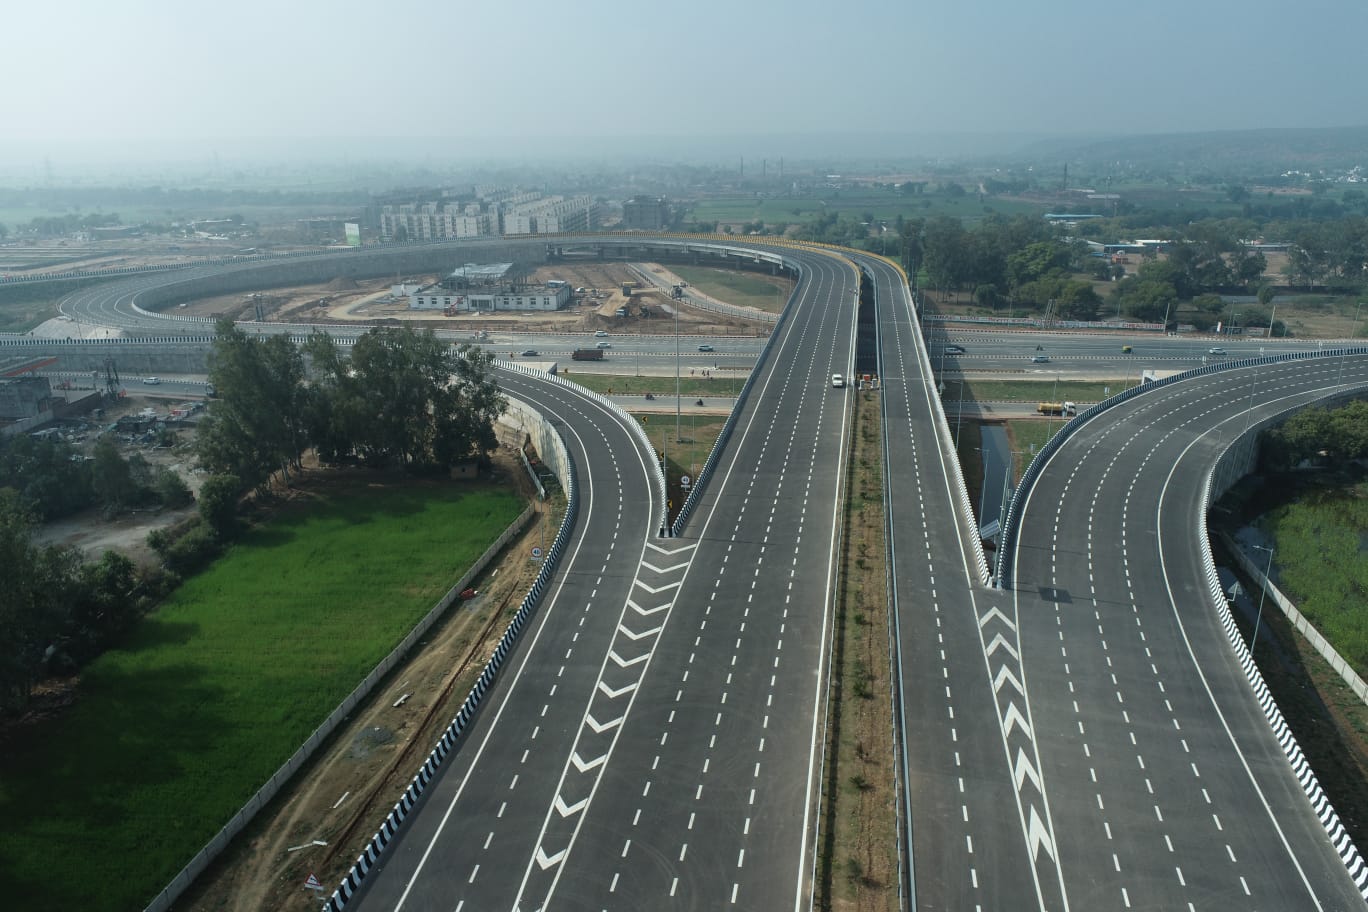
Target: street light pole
x=1263 y=590
x=678 y=403
x=959 y=414
x=1352 y=337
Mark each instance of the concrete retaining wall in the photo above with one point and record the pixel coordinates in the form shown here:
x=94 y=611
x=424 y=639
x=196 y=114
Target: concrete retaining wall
x=1299 y=621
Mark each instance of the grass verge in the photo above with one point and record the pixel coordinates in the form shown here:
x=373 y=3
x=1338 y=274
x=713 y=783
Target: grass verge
x=741 y=289
x=858 y=854
x=1031 y=390
x=721 y=383
x=175 y=730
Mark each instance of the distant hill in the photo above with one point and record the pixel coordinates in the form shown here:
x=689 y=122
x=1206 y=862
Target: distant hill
x=1232 y=150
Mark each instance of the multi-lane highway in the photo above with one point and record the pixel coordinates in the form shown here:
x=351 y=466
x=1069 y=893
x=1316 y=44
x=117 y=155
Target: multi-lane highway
x=1169 y=788
x=1085 y=740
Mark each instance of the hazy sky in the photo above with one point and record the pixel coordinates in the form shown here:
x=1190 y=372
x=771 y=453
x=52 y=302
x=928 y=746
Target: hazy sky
x=79 y=74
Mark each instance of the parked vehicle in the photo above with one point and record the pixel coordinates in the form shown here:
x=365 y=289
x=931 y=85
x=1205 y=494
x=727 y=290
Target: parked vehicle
x=1057 y=408
x=587 y=354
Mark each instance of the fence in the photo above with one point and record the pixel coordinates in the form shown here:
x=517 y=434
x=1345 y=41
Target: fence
x=263 y=796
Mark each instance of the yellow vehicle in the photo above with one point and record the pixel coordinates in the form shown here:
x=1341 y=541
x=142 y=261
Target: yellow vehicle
x=1126 y=349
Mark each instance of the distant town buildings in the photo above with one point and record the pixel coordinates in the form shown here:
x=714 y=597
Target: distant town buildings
x=492 y=211
x=645 y=212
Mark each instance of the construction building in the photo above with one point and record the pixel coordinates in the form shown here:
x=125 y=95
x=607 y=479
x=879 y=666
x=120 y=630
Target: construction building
x=489 y=287
x=646 y=212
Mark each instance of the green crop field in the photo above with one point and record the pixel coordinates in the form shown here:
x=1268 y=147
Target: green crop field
x=742 y=289
x=174 y=731
x=1321 y=557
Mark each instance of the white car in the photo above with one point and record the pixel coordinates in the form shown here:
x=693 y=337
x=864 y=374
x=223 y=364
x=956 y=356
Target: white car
x=1216 y=350
x=151 y=381
x=837 y=381
x=601 y=334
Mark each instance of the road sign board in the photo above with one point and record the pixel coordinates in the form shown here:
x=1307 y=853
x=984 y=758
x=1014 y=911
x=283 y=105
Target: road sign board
x=313 y=883
x=536 y=553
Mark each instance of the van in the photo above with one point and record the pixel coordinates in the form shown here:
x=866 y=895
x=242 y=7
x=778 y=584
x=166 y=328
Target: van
x=837 y=381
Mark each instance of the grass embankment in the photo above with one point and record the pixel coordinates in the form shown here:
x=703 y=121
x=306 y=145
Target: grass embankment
x=1316 y=524
x=23 y=308
x=742 y=289
x=1030 y=391
x=722 y=383
x=857 y=864
x=175 y=730
x=1319 y=544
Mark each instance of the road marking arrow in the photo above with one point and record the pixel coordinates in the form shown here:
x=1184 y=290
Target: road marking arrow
x=992 y=613
x=1024 y=770
x=614 y=694
x=1038 y=836
x=586 y=767
x=565 y=810
x=664 y=569
x=546 y=861
x=653 y=590
x=638 y=636
x=681 y=548
x=647 y=612
x=1005 y=673
x=627 y=663
x=1000 y=640
x=600 y=729
x=1012 y=717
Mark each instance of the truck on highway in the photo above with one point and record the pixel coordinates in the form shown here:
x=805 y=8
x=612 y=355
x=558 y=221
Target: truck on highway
x=1057 y=408
x=587 y=354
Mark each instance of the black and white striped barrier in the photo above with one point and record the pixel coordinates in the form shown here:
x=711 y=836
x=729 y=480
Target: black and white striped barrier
x=1325 y=812
x=390 y=827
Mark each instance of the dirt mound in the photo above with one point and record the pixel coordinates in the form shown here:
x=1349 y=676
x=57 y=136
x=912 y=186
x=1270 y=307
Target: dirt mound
x=342 y=283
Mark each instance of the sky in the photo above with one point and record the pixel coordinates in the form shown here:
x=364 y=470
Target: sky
x=89 y=78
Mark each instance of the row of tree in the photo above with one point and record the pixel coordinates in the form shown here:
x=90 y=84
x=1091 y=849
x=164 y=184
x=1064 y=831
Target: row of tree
x=58 y=611
x=400 y=396
x=1335 y=435
x=51 y=479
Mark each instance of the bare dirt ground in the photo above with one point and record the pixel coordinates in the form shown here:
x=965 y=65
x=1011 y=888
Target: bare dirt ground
x=343 y=795
x=367 y=301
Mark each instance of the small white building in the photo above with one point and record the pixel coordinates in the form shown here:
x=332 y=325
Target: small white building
x=468 y=300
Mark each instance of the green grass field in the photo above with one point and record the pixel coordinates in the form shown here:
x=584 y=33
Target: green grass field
x=723 y=383
x=1321 y=553
x=1031 y=390
x=742 y=289
x=1027 y=437
x=174 y=731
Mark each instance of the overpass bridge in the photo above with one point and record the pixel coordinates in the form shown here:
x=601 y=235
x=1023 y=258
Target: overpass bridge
x=1086 y=735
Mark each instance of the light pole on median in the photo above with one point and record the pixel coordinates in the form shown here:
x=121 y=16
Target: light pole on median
x=1263 y=590
x=678 y=420
x=1353 y=335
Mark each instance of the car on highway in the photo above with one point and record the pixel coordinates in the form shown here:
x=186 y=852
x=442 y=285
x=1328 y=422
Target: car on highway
x=528 y=352
x=1041 y=359
x=954 y=349
x=1216 y=350
x=601 y=334
x=151 y=381
x=705 y=348
x=837 y=381
x=605 y=345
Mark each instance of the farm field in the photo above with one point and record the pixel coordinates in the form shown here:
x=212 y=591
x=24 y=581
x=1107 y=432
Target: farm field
x=172 y=732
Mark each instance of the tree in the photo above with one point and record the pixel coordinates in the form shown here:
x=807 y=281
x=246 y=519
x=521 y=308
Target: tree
x=112 y=477
x=33 y=609
x=1266 y=295
x=256 y=422
x=218 y=501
